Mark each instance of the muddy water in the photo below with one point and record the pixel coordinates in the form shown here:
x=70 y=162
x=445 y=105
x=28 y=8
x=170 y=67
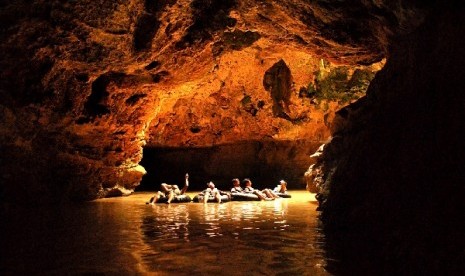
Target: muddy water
x=126 y=236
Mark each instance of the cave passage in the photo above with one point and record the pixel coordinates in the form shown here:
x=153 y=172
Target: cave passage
x=264 y=162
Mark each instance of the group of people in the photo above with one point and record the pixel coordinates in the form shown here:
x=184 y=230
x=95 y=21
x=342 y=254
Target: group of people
x=265 y=194
x=170 y=192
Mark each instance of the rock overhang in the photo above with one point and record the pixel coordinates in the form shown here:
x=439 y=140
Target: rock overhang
x=90 y=83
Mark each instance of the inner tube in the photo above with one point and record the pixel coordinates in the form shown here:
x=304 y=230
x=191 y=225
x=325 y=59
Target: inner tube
x=244 y=197
x=176 y=199
x=283 y=195
x=199 y=198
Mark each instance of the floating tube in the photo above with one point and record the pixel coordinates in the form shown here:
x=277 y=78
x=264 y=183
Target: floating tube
x=176 y=199
x=199 y=198
x=244 y=197
x=283 y=195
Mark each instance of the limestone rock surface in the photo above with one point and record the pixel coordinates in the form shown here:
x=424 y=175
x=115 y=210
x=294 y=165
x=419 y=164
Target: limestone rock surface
x=85 y=85
x=393 y=171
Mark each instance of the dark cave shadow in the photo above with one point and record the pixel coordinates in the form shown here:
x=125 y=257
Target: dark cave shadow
x=264 y=162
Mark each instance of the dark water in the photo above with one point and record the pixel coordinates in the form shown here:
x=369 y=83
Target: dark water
x=125 y=236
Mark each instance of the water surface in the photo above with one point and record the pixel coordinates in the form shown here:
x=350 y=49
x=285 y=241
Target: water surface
x=126 y=236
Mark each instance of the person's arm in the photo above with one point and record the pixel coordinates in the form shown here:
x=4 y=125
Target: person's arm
x=165 y=187
x=186 y=184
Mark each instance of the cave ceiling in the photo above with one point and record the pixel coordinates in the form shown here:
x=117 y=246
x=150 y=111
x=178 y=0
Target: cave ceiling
x=90 y=83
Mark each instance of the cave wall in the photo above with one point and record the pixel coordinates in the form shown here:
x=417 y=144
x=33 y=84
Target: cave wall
x=394 y=168
x=86 y=84
x=71 y=128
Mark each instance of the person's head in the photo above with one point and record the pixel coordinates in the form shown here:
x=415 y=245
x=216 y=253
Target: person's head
x=247 y=182
x=236 y=182
x=211 y=185
x=283 y=183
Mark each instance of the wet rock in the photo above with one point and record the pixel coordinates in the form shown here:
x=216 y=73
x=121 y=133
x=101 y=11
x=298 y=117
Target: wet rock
x=392 y=187
x=278 y=81
x=87 y=85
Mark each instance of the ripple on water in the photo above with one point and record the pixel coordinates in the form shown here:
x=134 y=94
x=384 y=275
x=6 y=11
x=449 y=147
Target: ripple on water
x=123 y=235
x=242 y=237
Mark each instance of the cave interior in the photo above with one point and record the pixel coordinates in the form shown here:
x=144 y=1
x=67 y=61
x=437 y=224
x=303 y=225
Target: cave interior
x=94 y=104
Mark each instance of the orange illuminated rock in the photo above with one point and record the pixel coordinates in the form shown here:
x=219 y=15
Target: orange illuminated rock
x=87 y=85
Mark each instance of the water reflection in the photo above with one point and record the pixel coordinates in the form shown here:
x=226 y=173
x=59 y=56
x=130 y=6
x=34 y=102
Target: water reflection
x=167 y=222
x=123 y=236
x=235 y=238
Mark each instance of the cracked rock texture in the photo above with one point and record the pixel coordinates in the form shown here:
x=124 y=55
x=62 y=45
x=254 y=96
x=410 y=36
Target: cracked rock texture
x=86 y=84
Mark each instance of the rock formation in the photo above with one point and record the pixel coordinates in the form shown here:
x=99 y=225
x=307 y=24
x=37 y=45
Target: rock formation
x=87 y=84
x=393 y=182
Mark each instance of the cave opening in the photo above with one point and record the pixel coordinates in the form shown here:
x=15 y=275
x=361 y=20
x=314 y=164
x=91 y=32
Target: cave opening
x=265 y=162
x=266 y=131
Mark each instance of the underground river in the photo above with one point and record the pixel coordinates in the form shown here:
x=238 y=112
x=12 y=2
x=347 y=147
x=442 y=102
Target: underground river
x=126 y=236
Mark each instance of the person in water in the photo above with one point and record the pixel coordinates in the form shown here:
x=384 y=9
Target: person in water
x=236 y=189
x=170 y=191
x=281 y=188
x=261 y=195
x=211 y=192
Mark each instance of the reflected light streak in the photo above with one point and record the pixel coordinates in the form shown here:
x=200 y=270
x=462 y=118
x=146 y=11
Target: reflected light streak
x=280 y=232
